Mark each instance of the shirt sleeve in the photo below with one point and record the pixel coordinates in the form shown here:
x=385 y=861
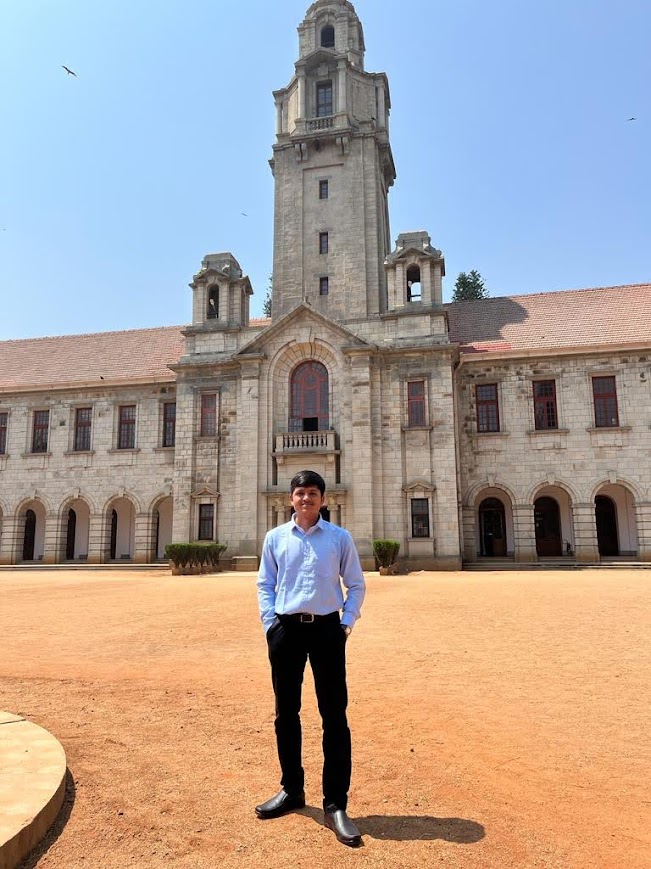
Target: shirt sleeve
x=353 y=579
x=267 y=579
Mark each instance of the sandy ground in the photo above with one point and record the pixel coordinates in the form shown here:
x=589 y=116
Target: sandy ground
x=499 y=720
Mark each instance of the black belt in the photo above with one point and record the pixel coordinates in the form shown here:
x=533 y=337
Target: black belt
x=306 y=618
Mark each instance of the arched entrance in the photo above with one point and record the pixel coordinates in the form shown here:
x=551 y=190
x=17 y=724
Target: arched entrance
x=71 y=533
x=547 y=521
x=29 y=536
x=492 y=528
x=122 y=524
x=161 y=527
x=606 y=520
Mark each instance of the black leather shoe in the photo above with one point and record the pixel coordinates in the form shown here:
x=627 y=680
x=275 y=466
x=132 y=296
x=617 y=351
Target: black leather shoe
x=280 y=805
x=346 y=832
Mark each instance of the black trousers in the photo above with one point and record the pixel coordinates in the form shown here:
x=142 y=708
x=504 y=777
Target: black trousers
x=323 y=641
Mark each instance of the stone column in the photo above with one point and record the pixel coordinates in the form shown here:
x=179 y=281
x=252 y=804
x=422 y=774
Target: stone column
x=248 y=456
x=643 y=520
x=341 y=87
x=468 y=530
x=9 y=539
x=142 y=544
x=524 y=533
x=585 y=532
x=51 y=539
x=361 y=461
x=279 y=115
x=183 y=463
x=97 y=544
x=381 y=107
x=426 y=283
x=301 y=94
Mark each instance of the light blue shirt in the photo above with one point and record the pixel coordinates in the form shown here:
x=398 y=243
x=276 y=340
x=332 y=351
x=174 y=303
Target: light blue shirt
x=301 y=572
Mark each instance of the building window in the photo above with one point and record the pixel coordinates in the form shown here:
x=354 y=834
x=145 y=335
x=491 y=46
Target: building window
x=323 y=242
x=206 y=521
x=127 y=427
x=83 y=422
x=40 y=431
x=328 y=36
x=419 y=517
x=488 y=412
x=324 y=99
x=414 y=289
x=213 y=302
x=169 y=423
x=544 y=404
x=416 y=403
x=4 y=421
x=208 y=427
x=309 y=398
x=324 y=286
x=604 y=393
x=323 y=190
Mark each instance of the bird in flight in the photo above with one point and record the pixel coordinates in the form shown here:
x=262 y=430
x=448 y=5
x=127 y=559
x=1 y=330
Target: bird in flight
x=631 y=119
x=244 y=214
x=69 y=71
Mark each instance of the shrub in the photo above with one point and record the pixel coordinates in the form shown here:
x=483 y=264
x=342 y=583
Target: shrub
x=386 y=552
x=188 y=555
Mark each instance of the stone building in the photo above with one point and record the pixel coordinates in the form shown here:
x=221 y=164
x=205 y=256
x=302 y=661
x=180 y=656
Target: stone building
x=509 y=428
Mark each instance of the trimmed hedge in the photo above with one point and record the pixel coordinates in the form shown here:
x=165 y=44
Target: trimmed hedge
x=386 y=552
x=184 y=555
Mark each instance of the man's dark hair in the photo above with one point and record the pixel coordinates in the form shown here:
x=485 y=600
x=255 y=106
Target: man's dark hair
x=307 y=478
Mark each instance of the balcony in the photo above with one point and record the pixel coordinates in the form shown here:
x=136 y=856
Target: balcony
x=293 y=442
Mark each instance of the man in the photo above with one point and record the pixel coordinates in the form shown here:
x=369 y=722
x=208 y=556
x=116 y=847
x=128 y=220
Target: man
x=300 y=596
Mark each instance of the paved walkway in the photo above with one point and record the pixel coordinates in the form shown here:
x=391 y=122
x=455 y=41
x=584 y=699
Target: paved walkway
x=32 y=786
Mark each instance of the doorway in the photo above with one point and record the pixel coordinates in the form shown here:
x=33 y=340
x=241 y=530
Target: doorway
x=492 y=528
x=547 y=520
x=29 y=538
x=70 y=535
x=606 y=521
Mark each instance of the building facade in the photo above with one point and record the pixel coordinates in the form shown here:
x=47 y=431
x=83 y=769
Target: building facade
x=511 y=428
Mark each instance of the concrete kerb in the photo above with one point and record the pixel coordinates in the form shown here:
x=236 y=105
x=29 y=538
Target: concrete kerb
x=32 y=786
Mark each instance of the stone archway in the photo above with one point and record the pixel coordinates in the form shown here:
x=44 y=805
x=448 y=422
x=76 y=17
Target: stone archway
x=615 y=520
x=162 y=514
x=31 y=531
x=492 y=528
x=121 y=525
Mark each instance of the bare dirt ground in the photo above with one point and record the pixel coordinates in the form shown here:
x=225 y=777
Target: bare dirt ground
x=499 y=720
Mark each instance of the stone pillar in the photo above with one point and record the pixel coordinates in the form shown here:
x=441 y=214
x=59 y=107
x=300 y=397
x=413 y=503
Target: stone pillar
x=524 y=533
x=401 y=285
x=279 y=115
x=585 y=532
x=437 y=285
x=143 y=536
x=51 y=539
x=341 y=87
x=426 y=283
x=361 y=463
x=381 y=107
x=643 y=520
x=183 y=463
x=9 y=540
x=468 y=531
x=301 y=94
x=97 y=544
x=248 y=456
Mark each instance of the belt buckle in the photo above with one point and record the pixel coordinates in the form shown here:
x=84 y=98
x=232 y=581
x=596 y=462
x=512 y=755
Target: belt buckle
x=306 y=617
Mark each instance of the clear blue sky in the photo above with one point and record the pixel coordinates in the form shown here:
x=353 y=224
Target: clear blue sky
x=509 y=132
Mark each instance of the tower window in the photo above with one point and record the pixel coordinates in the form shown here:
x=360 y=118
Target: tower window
x=328 y=36
x=324 y=99
x=323 y=189
x=213 y=302
x=208 y=422
x=419 y=517
x=323 y=242
x=324 y=286
x=414 y=292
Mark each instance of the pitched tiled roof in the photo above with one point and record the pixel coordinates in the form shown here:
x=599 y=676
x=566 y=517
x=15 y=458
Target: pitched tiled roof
x=139 y=354
x=541 y=321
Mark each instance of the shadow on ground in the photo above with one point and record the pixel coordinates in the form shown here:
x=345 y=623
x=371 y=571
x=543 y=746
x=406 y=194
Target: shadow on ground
x=57 y=827
x=404 y=828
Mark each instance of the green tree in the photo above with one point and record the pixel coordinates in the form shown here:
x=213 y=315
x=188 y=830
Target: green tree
x=266 y=305
x=469 y=286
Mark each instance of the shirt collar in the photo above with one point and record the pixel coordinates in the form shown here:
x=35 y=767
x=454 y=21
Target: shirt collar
x=311 y=530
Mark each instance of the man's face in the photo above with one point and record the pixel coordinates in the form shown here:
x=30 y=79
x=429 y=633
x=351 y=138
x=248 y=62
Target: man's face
x=307 y=501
